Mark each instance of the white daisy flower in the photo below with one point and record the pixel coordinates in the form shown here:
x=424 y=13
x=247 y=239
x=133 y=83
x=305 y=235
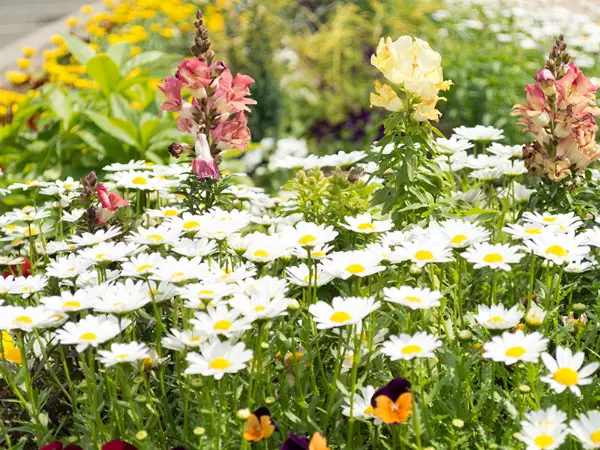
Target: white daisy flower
x=559 y=249
x=458 y=233
x=342 y=311
x=497 y=317
x=180 y=340
x=259 y=306
x=91 y=330
x=422 y=252
x=494 y=256
x=178 y=270
x=566 y=371
x=360 y=263
x=119 y=298
x=405 y=346
x=106 y=252
x=218 y=358
x=68 y=267
x=307 y=234
x=302 y=276
x=28 y=318
x=413 y=298
x=26 y=286
x=194 y=247
x=160 y=235
x=510 y=348
x=525 y=231
x=141 y=265
x=587 y=429
x=165 y=212
x=364 y=223
x=219 y=320
x=479 y=133
x=200 y=295
x=67 y=302
x=124 y=353
x=452 y=145
x=265 y=248
x=362 y=409
x=543 y=429
x=100 y=235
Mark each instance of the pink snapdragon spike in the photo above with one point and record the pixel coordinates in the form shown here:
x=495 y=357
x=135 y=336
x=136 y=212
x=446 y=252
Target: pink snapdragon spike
x=211 y=104
x=110 y=201
x=204 y=165
x=561 y=112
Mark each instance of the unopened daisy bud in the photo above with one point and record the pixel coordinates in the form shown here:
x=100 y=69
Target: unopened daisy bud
x=458 y=423
x=199 y=431
x=524 y=388
x=270 y=400
x=465 y=335
x=141 y=435
x=243 y=414
x=140 y=398
x=579 y=309
x=415 y=270
x=294 y=305
x=264 y=345
x=197 y=383
x=138 y=380
x=535 y=316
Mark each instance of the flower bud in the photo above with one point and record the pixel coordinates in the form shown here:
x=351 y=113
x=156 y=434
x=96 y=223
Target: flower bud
x=243 y=414
x=546 y=80
x=524 y=388
x=458 y=423
x=579 y=309
x=535 y=316
x=465 y=335
x=199 y=431
x=141 y=435
x=270 y=400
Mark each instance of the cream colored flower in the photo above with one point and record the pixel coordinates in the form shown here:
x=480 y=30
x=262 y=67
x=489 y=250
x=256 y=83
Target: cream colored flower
x=385 y=97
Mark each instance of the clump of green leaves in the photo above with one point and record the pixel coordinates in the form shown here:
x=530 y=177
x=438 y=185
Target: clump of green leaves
x=329 y=198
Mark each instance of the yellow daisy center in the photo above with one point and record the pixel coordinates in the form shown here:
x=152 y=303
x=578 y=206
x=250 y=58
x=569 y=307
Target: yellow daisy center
x=556 y=250
x=261 y=253
x=366 y=226
x=549 y=219
x=259 y=308
x=72 y=304
x=156 y=237
x=595 y=437
x=178 y=274
x=144 y=267
x=532 y=230
x=495 y=319
x=493 y=258
x=566 y=376
x=412 y=299
x=543 y=441
x=88 y=337
x=139 y=180
x=219 y=364
x=318 y=254
x=223 y=325
x=340 y=317
x=424 y=255
x=411 y=349
x=23 y=319
x=355 y=268
x=307 y=239
x=206 y=292
x=170 y=213
x=458 y=239
x=123 y=356
x=515 y=352
x=191 y=225
x=195 y=339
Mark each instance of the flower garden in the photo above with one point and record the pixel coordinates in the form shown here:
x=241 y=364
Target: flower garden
x=314 y=225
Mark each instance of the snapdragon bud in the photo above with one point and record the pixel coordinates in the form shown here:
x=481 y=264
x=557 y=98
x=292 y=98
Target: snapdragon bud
x=546 y=80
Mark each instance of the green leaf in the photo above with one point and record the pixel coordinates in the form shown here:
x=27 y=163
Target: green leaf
x=90 y=140
x=61 y=105
x=147 y=131
x=120 y=54
x=120 y=107
x=79 y=49
x=118 y=128
x=143 y=59
x=105 y=72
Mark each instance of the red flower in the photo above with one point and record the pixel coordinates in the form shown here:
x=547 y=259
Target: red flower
x=24 y=268
x=111 y=201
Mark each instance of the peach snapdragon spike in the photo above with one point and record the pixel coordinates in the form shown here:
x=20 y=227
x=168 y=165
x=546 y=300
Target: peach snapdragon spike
x=214 y=109
x=561 y=113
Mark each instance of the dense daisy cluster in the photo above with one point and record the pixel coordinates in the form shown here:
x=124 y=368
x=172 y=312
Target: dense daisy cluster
x=254 y=297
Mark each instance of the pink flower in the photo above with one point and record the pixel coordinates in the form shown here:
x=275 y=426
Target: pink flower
x=232 y=133
x=231 y=94
x=204 y=165
x=194 y=75
x=172 y=89
x=110 y=201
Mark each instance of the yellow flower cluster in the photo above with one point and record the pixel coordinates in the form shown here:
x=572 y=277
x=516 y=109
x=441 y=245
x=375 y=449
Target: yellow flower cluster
x=9 y=101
